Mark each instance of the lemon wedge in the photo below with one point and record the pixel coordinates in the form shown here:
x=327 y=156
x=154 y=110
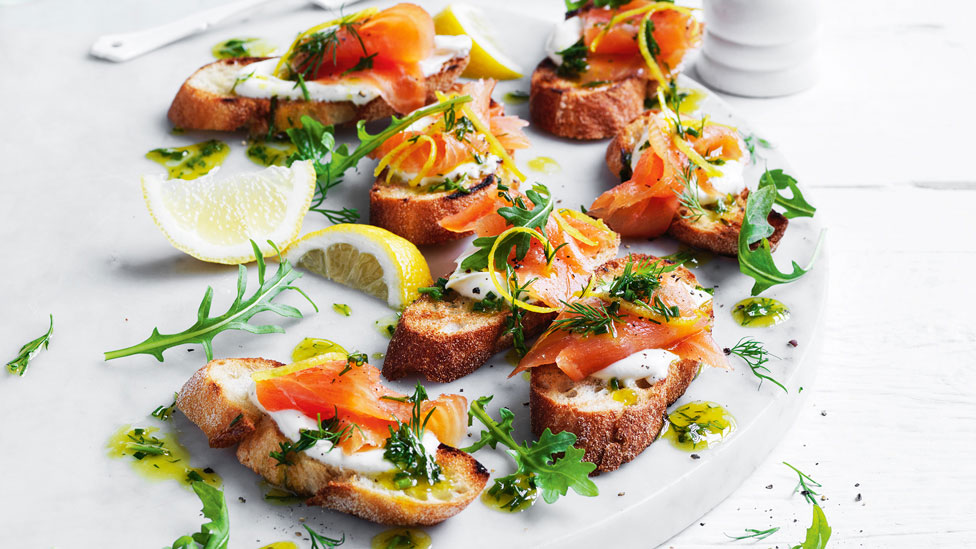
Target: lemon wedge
x=214 y=218
x=487 y=59
x=365 y=258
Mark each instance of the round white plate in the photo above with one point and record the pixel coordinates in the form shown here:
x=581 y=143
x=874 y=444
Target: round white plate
x=109 y=277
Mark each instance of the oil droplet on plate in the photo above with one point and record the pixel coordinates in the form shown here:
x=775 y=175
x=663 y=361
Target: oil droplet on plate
x=192 y=161
x=760 y=312
x=158 y=457
x=544 y=164
x=401 y=538
x=698 y=425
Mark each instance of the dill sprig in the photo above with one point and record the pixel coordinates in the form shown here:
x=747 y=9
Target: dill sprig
x=513 y=322
x=639 y=280
x=753 y=533
x=327 y=430
x=327 y=542
x=805 y=485
x=588 y=319
x=755 y=355
x=688 y=198
x=665 y=311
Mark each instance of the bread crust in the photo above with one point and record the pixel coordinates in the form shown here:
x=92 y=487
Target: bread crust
x=446 y=340
x=216 y=399
x=414 y=215
x=610 y=432
x=561 y=107
x=716 y=234
x=214 y=107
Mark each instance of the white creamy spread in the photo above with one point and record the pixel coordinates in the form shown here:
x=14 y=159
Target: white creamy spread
x=563 y=35
x=650 y=365
x=291 y=423
x=473 y=284
x=730 y=182
x=256 y=79
x=700 y=296
x=466 y=171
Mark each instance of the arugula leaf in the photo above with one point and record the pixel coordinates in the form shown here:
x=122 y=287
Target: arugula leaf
x=214 y=534
x=237 y=316
x=27 y=351
x=405 y=448
x=554 y=477
x=518 y=215
x=819 y=532
x=759 y=263
x=796 y=205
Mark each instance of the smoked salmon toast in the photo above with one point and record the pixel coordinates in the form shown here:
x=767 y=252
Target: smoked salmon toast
x=363 y=66
x=614 y=359
x=444 y=163
x=681 y=176
x=603 y=62
x=528 y=258
x=327 y=429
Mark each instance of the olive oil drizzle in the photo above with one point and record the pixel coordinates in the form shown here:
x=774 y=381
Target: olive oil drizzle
x=312 y=347
x=192 y=161
x=544 y=164
x=698 y=425
x=760 y=312
x=157 y=456
x=401 y=538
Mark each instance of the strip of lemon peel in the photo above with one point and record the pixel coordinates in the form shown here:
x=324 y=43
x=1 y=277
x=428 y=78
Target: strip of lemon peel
x=503 y=292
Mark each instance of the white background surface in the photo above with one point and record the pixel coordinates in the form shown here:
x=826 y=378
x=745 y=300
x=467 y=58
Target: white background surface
x=883 y=140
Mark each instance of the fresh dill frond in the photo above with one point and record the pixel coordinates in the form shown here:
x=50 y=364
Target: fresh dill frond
x=588 y=319
x=755 y=355
x=756 y=534
x=328 y=430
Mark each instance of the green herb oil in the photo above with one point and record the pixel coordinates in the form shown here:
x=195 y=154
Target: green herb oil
x=401 y=538
x=698 y=425
x=157 y=456
x=760 y=312
x=192 y=161
x=310 y=347
x=242 y=47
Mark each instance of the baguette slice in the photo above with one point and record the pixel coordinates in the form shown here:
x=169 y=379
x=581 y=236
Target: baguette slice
x=562 y=107
x=610 y=432
x=216 y=399
x=446 y=340
x=413 y=214
x=715 y=233
x=205 y=101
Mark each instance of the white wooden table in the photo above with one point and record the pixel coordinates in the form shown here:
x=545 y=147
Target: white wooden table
x=883 y=141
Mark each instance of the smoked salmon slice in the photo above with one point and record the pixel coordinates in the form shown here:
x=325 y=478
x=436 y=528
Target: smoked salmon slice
x=361 y=401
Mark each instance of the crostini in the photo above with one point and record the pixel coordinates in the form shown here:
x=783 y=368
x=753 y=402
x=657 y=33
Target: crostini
x=614 y=359
x=528 y=258
x=329 y=431
x=682 y=176
x=443 y=163
x=364 y=66
x=604 y=60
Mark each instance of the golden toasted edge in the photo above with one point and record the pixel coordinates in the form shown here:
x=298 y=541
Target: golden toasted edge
x=208 y=405
x=617 y=434
x=716 y=235
x=446 y=340
x=561 y=107
x=415 y=215
x=194 y=108
x=224 y=418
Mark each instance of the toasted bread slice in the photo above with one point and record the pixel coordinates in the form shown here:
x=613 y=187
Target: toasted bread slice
x=205 y=101
x=216 y=399
x=611 y=432
x=717 y=233
x=447 y=339
x=565 y=108
x=413 y=214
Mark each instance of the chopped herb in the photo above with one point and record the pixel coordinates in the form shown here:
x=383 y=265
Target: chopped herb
x=405 y=449
x=614 y=384
x=751 y=140
x=27 y=351
x=342 y=309
x=639 y=280
x=491 y=303
x=436 y=292
x=364 y=63
x=595 y=83
x=552 y=476
x=237 y=316
x=516 y=97
x=663 y=310
x=327 y=430
x=236 y=419
x=354 y=359
x=163 y=413
x=449 y=185
x=574 y=60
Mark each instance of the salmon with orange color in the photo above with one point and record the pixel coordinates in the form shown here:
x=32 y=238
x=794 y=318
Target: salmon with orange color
x=444 y=163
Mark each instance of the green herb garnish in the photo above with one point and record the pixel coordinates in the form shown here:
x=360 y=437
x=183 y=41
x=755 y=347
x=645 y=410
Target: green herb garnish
x=27 y=351
x=759 y=263
x=364 y=63
x=237 y=316
x=587 y=319
x=752 y=140
x=449 y=185
x=553 y=477
x=574 y=60
x=753 y=533
x=326 y=542
x=519 y=214
x=755 y=355
x=163 y=413
x=639 y=280
x=354 y=359
x=436 y=292
x=491 y=303
x=819 y=532
x=513 y=322
x=327 y=430
x=405 y=449
x=214 y=534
